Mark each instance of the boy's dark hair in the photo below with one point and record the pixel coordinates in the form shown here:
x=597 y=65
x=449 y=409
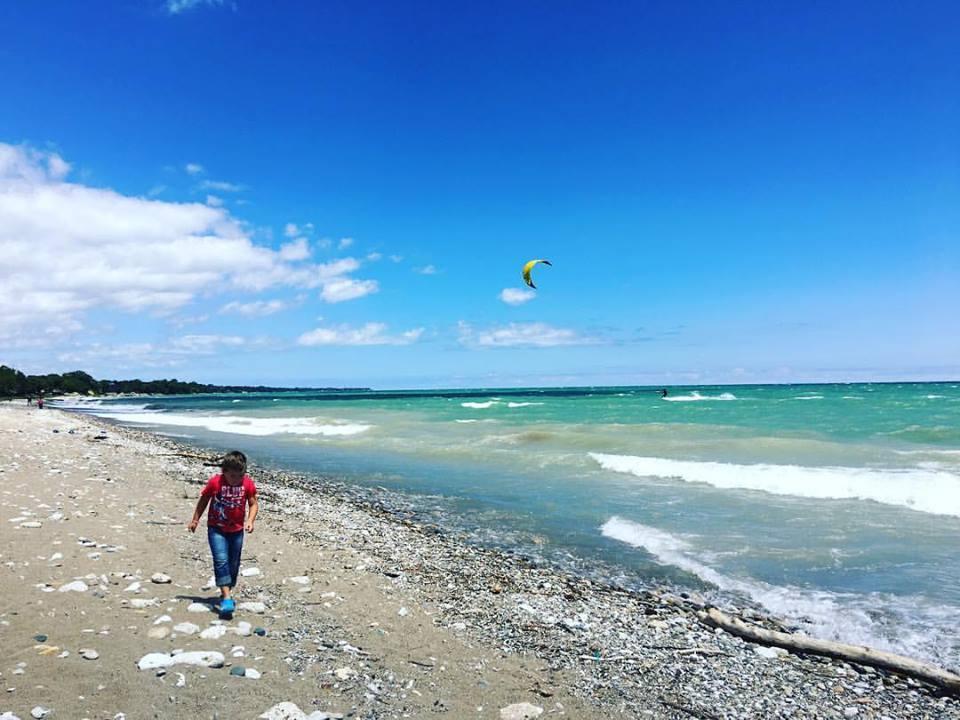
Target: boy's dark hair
x=234 y=460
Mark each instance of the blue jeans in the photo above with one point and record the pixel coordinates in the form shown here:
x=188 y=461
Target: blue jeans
x=226 y=548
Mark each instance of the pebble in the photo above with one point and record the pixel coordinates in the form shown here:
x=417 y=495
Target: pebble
x=39 y=712
x=142 y=604
x=344 y=673
x=75 y=586
x=520 y=711
x=214 y=633
x=89 y=654
x=284 y=711
x=259 y=631
x=40 y=638
x=198 y=608
x=299 y=580
x=186 y=628
x=161 y=579
x=32 y=524
x=158 y=633
x=255 y=607
x=238 y=671
x=252 y=674
x=250 y=572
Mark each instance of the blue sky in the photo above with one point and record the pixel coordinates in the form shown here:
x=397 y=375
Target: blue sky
x=339 y=193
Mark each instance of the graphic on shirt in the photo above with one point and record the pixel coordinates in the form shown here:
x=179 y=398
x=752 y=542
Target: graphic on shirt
x=226 y=503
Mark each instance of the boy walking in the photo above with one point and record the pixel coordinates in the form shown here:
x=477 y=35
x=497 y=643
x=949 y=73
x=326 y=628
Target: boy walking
x=228 y=494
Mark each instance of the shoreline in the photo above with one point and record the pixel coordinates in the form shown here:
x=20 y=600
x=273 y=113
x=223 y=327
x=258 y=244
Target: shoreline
x=509 y=631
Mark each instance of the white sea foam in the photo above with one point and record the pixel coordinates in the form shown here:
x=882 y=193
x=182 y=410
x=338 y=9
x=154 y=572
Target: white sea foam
x=909 y=625
x=925 y=490
x=240 y=425
x=809 y=397
x=697 y=397
x=480 y=405
x=935 y=397
x=521 y=404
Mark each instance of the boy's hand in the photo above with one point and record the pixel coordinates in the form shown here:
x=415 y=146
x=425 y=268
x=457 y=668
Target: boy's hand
x=249 y=527
x=192 y=525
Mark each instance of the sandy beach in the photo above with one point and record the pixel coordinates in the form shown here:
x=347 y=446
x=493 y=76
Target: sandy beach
x=347 y=609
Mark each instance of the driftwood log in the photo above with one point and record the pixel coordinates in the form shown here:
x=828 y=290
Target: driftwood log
x=207 y=460
x=859 y=654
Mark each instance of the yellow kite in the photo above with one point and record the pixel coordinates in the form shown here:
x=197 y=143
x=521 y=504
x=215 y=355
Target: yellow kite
x=528 y=267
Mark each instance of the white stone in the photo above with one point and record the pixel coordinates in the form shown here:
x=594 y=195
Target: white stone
x=186 y=628
x=770 y=653
x=8 y=715
x=252 y=674
x=243 y=628
x=39 y=712
x=250 y=572
x=299 y=580
x=163 y=619
x=255 y=607
x=403 y=612
x=284 y=711
x=520 y=711
x=181 y=679
x=160 y=579
x=344 y=673
x=198 y=608
x=133 y=587
x=214 y=633
x=202 y=658
x=142 y=604
x=89 y=654
x=32 y=524
x=75 y=586
x=158 y=633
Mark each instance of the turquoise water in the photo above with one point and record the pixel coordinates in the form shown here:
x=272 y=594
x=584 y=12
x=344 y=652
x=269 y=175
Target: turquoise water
x=837 y=506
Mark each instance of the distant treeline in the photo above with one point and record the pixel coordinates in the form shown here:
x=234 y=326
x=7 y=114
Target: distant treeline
x=14 y=383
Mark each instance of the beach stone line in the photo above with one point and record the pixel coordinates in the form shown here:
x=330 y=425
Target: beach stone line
x=520 y=711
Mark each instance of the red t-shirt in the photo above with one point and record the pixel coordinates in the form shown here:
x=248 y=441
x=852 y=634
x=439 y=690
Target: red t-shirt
x=228 y=503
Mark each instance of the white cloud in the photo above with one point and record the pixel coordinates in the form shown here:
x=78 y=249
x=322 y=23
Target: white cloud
x=344 y=243
x=214 y=201
x=426 y=270
x=166 y=354
x=516 y=296
x=257 y=308
x=291 y=230
x=193 y=168
x=534 y=334
x=370 y=334
x=299 y=249
x=69 y=248
x=156 y=190
x=396 y=258
x=175 y=7
x=374 y=256
x=345 y=288
x=221 y=186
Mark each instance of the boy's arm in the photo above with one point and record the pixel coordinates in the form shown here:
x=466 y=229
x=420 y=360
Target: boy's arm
x=254 y=509
x=198 y=512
